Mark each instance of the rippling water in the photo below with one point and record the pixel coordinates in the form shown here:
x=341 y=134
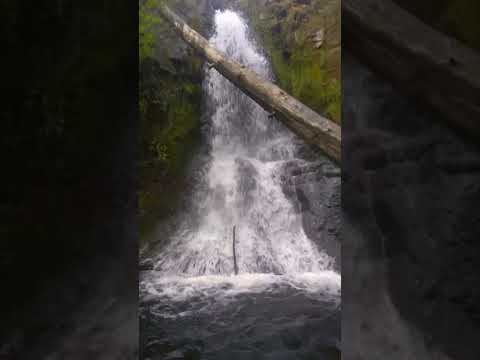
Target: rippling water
x=284 y=304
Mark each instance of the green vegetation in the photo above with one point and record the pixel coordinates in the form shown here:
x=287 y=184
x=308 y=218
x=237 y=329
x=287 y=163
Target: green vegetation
x=148 y=20
x=170 y=85
x=169 y=110
x=306 y=70
x=169 y=133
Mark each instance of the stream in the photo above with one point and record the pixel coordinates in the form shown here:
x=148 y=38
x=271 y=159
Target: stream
x=285 y=301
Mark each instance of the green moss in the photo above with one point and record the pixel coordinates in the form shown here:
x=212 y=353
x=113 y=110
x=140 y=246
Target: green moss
x=148 y=19
x=169 y=144
x=169 y=107
x=169 y=133
x=310 y=74
x=170 y=94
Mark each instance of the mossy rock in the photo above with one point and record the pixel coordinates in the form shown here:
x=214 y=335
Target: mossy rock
x=169 y=101
x=287 y=32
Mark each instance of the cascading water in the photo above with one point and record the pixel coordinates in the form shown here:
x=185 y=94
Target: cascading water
x=241 y=187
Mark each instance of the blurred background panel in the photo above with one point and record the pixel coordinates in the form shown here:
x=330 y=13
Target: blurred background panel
x=411 y=175
x=67 y=193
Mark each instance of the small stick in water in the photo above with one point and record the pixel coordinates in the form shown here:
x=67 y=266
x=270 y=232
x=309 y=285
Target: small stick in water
x=235 y=267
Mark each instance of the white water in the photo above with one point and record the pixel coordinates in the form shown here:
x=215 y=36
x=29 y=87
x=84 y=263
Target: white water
x=243 y=188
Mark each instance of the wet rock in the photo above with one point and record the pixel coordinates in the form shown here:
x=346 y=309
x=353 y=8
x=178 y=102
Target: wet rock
x=303 y=2
x=177 y=52
x=282 y=13
x=318 y=38
x=146 y=265
x=247 y=185
x=300 y=17
x=286 y=55
x=291 y=340
x=315 y=189
x=175 y=355
x=330 y=170
x=277 y=29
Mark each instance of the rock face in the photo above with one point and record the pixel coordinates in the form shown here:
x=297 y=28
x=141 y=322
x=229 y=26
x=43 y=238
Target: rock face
x=302 y=39
x=318 y=38
x=411 y=198
x=315 y=187
x=170 y=98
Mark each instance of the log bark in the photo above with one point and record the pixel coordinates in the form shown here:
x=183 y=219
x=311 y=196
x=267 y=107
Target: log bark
x=422 y=62
x=303 y=121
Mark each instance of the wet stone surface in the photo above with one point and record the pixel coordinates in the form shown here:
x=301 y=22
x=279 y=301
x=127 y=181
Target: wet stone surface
x=315 y=188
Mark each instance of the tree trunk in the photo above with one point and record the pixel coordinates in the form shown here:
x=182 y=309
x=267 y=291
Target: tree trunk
x=424 y=63
x=303 y=121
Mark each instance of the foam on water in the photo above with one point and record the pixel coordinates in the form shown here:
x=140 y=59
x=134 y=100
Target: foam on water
x=243 y=188
x=205 y=294
x=182 y=288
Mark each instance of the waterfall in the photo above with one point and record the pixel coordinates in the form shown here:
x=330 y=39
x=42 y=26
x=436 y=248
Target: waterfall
x=242 y=187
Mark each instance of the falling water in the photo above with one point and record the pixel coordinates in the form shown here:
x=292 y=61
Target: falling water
x=248 y=152
x=192 y=303
x=242 y=187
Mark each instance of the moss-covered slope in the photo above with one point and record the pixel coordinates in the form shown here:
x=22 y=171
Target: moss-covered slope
x=302 y=38
x=169 y=102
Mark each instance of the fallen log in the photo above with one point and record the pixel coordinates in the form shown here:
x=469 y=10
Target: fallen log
x=424 y=63
x=303 y=121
